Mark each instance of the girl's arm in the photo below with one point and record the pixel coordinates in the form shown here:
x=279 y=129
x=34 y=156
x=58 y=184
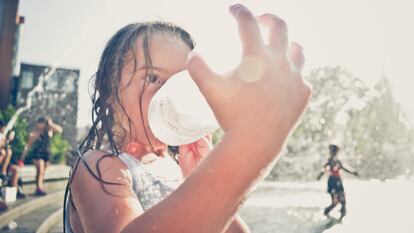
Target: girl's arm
x=191 y=156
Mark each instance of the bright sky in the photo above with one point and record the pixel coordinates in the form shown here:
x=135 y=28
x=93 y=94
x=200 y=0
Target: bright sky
x=369 y=38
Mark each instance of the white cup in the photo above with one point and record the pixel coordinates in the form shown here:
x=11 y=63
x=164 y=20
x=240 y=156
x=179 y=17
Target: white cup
x=179 y=114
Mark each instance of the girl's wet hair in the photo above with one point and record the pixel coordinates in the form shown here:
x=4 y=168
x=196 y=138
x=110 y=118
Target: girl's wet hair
x=106 y=88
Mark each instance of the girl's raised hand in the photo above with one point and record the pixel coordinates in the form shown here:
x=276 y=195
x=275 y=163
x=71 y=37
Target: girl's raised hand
x=264 y=96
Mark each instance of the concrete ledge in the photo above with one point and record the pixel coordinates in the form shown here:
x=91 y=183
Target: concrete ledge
x=51 y=221
x=30 y=206
x=53 y=172
x=51 y=186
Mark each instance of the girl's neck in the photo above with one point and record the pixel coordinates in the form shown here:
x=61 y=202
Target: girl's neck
x=140 y=151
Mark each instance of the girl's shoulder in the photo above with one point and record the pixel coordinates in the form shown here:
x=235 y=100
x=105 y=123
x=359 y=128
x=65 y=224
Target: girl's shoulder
x=103 y=168
x=100 y=185
x=102 y=159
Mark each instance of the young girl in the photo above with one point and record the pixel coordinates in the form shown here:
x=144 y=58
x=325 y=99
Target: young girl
x=124 y=181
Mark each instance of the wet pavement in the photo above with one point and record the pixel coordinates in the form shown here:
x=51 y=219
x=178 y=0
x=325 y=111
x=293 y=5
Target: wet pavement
x=373 y=206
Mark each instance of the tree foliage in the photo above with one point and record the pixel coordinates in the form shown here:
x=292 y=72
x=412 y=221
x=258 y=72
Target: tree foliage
x=371 y=128
x=20 y=129
x=58 y=145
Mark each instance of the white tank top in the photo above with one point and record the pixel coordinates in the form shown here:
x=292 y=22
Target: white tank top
x=151 y=182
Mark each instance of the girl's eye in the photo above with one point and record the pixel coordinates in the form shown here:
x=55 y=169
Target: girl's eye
x=151 y=78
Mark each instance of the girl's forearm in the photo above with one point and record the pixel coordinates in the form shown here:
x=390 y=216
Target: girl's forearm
x=209 y=198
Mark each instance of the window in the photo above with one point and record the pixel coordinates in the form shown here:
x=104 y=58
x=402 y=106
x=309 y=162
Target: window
x=27 y=80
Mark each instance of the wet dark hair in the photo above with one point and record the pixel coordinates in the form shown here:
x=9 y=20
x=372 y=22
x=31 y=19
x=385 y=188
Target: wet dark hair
x=106 y=83
x=333 y=149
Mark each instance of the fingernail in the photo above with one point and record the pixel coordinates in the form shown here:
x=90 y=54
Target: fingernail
x=233 y=8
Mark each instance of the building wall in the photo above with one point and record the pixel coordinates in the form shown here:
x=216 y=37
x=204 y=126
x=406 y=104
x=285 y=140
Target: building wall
x=57 y=99
x=8 y=13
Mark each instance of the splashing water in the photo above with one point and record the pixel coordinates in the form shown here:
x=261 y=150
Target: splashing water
x=39 y=88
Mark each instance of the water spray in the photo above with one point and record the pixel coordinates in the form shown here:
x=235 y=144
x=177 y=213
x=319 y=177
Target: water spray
x=37 y=89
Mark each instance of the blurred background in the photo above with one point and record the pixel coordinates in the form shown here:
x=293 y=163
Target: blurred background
x=359 y=61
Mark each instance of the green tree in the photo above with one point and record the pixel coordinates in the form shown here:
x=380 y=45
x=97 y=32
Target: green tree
x=371 y=128
x=336 y=93
x=381 y=136
x=58 y=145
x=20 y=129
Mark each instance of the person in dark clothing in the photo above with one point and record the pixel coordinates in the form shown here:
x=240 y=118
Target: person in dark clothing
x=39 y=140
x=335 y=186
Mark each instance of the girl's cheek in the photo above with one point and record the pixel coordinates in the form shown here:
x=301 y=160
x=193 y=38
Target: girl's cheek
x=147 y=96
x=153 y=88
x=146 y=99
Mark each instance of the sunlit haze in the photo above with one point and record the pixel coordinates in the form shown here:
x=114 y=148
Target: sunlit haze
x=369 y=38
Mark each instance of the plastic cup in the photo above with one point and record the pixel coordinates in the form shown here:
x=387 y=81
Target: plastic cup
x=179 y=114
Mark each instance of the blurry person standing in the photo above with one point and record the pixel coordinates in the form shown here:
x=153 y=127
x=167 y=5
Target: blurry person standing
x=39 y=142
x=335 y=186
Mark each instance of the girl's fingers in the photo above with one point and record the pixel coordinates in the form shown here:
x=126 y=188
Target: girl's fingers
x=248 y=29
x=211 y=85
x=297 y=57
x=278 y=36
